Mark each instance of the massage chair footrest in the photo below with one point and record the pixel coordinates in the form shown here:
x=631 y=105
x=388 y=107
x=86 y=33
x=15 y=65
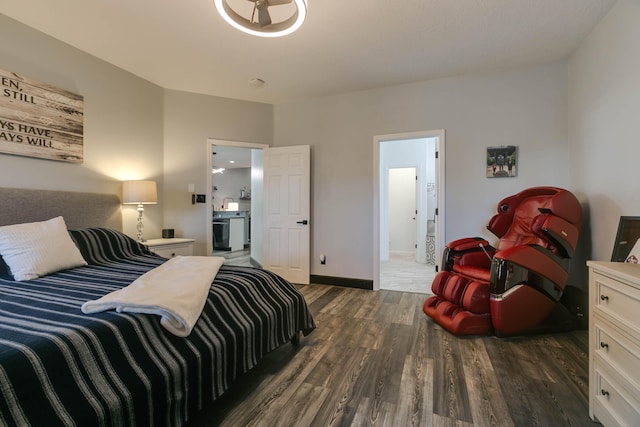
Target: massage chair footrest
x=455 y=318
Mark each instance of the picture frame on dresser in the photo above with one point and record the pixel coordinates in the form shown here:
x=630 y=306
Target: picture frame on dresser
x=626 y=237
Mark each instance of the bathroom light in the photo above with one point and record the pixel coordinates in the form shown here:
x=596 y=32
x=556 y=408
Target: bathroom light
x=244 y=19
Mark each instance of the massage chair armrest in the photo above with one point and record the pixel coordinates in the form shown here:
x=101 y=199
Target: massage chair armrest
x=474 y=251
x=561 y=234
x=531 y=265
x=467 y=243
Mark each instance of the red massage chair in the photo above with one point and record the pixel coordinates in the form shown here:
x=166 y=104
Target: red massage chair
x=514 y=287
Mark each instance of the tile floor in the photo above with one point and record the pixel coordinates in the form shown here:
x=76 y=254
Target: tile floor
x=403 y=273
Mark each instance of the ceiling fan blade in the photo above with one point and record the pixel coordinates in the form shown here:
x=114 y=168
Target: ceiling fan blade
x=263 y=13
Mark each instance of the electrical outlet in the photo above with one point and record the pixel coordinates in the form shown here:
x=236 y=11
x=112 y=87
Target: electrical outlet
x=323 y=259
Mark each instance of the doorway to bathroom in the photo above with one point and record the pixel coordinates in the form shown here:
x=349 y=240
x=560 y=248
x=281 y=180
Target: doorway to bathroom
x=409 y=205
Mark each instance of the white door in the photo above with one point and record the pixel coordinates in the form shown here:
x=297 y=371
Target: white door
x=402 y=211
x=286 y=212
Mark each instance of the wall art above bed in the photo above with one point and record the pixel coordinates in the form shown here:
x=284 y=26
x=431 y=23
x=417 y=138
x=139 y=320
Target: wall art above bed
x=40 y=120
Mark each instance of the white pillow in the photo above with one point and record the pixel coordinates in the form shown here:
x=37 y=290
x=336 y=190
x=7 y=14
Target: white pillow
x=35 y=249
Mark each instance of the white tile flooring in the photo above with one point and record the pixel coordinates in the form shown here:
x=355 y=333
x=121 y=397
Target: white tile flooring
x=403 y=273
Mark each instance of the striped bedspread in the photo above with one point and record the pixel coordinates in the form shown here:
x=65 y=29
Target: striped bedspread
x=59 y=366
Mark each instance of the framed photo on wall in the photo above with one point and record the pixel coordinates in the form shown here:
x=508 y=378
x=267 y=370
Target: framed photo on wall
x=502 y=161
x=626 y=239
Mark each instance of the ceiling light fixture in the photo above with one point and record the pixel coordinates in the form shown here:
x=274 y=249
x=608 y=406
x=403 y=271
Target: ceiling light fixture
x=263 y=18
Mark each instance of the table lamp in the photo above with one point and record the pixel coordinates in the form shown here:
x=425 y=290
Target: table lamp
x=139 y=193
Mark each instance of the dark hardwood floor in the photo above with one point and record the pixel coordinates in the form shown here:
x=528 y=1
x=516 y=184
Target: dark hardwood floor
x=376 y=360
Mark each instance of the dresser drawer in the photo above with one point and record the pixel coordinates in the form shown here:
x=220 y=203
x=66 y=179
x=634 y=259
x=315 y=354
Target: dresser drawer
x=617 y=300
x=614 y=404
x=618 y=350
x=614 y=343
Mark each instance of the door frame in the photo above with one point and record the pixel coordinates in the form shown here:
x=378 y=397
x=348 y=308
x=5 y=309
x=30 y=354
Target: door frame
x=440 y=188
x=212 y=142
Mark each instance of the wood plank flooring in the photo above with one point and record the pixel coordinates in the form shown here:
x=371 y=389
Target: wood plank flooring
x=376 y=360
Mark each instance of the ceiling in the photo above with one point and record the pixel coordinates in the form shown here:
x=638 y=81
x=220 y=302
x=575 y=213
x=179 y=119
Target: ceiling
x=344 y=45
x=231 y=157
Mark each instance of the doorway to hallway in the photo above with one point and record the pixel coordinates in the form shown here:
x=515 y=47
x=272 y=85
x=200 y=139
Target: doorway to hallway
x=405 y=269
x=409 y=226
x=234 y=175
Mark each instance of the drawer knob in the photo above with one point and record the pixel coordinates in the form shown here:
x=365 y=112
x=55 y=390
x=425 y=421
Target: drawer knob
x=604 y=344
x=604 y=393
x=604 y=297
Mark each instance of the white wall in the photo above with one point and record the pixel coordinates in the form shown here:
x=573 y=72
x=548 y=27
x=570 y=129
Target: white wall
x=189 y=120
x=122 y=122
x=525 y=107
x=604 y=124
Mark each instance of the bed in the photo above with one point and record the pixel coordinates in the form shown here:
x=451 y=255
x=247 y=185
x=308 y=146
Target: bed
x=59 y=366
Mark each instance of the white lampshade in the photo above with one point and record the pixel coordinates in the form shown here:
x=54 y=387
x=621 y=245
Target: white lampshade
x=139 y=193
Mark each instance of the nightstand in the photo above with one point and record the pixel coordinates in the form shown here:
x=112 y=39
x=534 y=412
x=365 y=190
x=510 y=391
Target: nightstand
x=169 y=248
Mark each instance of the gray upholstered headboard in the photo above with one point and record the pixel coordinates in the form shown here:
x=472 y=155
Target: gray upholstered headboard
x=79 y=210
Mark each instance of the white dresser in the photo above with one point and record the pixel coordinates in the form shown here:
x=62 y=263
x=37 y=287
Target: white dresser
x=614 y=343
x=169 y=248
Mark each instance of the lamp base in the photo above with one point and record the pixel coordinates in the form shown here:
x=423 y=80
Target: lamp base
x=140 y=226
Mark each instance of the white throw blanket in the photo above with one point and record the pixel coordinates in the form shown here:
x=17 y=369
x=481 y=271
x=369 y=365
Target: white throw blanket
x=176 y=290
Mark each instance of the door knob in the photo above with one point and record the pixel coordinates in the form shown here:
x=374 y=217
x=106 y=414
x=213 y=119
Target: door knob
x=303 y=222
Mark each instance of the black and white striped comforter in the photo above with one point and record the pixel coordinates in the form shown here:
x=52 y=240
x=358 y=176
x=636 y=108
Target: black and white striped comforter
x=61 y=367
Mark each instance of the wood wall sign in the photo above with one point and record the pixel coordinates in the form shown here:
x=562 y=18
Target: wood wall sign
x=39 y=120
